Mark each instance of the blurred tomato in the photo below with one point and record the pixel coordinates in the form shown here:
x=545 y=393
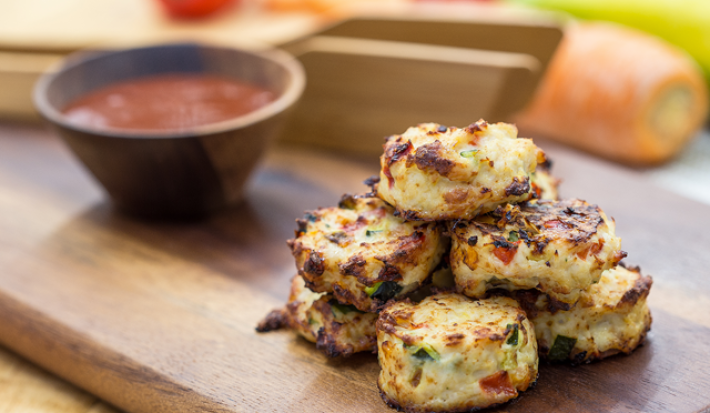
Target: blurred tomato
x=194 y=8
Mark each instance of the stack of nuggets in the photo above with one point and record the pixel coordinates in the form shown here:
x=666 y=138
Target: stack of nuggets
x=529 y=275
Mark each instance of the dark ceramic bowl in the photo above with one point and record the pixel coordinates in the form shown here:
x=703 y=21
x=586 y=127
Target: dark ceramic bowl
x=172 y=175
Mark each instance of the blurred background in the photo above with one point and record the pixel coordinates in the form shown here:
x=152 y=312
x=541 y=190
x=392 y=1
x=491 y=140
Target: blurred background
x=623 y=80
x=626 y=82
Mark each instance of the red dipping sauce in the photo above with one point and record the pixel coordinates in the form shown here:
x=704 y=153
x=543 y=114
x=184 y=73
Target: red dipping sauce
x=170 y=102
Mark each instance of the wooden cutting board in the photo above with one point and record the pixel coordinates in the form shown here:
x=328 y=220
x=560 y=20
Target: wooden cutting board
x=371 y=75
x=157 y=317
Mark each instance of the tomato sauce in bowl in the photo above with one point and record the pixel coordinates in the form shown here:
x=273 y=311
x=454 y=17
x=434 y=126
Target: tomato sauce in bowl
x=171 y=131
x=167 y=102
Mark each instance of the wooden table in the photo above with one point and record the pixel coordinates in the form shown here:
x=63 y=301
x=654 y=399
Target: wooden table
x=27 y=388
x=160 y=317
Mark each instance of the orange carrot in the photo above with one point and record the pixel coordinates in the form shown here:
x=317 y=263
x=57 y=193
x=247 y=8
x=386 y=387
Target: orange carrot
x=618 y=93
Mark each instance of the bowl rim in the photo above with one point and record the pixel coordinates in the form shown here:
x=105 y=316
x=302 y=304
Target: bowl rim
x=291 y=94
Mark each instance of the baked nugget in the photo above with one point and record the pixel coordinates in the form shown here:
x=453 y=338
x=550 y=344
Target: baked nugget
x=449 y=353
x=337 y=329
x=610 y=317
x=558 y=247
x=432 y=172
x=363 y=254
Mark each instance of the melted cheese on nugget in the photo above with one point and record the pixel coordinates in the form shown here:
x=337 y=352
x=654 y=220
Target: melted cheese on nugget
x=363 y=254
x=611 y=317
x=432 y=172
x=450 y=353
x=337 y=329
x=558 y=247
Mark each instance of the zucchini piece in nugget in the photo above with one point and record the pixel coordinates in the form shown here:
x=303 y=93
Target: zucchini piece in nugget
x=337 y=329
x=558 y=247
x=433 y=172
x=363 y=254
x=611 y=317
x=449 y=353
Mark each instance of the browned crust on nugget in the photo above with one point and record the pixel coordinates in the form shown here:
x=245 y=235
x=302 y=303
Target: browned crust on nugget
x=408 y=215
x=518 y=187
x=355 y=266
x=314 y=264
x=639 y=291
x=572 y=220
x=575 y=220
x=430 y=157
x=275 y=320
x=394 y=151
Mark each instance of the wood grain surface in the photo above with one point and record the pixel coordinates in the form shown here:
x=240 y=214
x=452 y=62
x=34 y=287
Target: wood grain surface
x=27 y=388
x=158 y=317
